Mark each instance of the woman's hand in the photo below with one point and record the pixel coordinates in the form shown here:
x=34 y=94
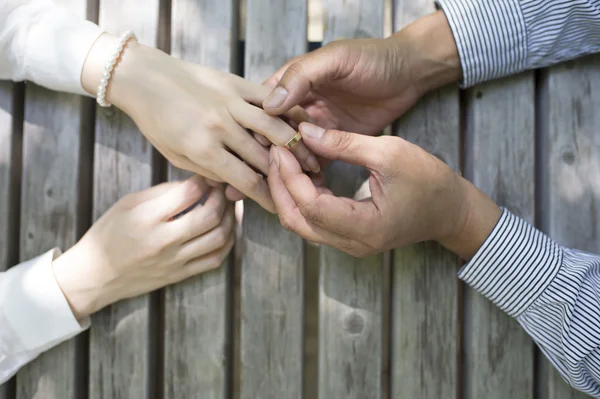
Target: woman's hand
x=141 y=244
x=362 y=85
x=195 y=116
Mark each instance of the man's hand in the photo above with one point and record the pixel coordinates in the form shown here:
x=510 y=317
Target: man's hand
x=362 y=85
x=414 y=197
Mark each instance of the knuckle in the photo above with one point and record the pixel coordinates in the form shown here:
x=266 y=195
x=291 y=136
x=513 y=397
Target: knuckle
x=340 y=140
x=214 y=119
x=221 y=236
x=253 y=182
x=212 y=219
x=295 y=69
x=178 y=162
x=288 y=223
x=312 y=211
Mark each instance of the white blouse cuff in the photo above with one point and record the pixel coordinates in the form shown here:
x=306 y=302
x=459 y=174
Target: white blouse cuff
x=56 y=48
x=35 y=306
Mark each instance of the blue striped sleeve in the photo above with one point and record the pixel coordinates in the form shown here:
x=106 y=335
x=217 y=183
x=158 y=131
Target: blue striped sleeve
x=497 y=38
x=553 y=292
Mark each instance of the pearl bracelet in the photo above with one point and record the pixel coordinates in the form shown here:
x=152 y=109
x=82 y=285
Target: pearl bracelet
x=108 y=68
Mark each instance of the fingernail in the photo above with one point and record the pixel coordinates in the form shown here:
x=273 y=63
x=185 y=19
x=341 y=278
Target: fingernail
x=276 y=98
x=313 y=164
x=312 y=131
x=274 y=155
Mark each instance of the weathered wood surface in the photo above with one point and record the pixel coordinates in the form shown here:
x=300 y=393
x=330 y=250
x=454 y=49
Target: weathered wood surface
x=10 y=116
x=196 y=309
x=51 y=162
x=350 y=300
x=427 y=361
x=272 y=265
x=425 y=331
x=7 y=115
x=572 y=152
x=122 y=164
x=498 y=354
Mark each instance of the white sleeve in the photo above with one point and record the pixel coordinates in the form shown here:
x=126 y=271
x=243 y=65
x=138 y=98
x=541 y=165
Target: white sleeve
x=44 y=43
x=34 y=314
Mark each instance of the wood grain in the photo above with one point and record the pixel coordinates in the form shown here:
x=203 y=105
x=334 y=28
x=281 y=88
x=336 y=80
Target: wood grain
x=123 y=164
x=571 y=122
x=11 y=119
x=350 y=301
x=425 y=331
x=196 y=309
x=498 y=354
x=6 y=171
x=272 y=265
x=51 y=139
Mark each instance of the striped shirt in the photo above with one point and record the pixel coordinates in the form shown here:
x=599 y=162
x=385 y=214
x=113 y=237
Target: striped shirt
x=497 y=38
x=552 y=291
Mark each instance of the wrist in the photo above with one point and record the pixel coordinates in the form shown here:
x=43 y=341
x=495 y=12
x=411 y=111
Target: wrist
x=133 y=70
x=71 y=273
x=476 y=217
x=430 y=51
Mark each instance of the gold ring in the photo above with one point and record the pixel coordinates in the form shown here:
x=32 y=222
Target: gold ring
x=294 y=140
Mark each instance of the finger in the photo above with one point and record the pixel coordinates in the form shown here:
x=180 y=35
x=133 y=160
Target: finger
x=261 y=139
x=297 y=80
x=292 y=219
x=205 y=263
x=183 y=162
x=233 y=194
x=277 y=131
x=243 y=178
x=332 y=213
x=353 y=148
x=199 y=220
x=135 y=199
x=244 y=145
x=206 y=243
x=177 y=199
x=256 y=94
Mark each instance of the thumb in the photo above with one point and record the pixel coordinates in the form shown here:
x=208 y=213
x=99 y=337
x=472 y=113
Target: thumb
x=297 y=79
x=178 y=198
x=353 y=148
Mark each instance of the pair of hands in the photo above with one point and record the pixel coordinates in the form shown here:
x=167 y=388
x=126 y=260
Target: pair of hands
x=362 y=86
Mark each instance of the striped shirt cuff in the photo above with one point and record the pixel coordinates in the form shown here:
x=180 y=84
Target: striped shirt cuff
x=514 y=266
x=491 y=37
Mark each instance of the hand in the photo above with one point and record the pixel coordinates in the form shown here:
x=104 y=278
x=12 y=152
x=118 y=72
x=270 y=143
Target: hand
x=138 y=246
x=414 y=197
x=195 y=116
x=363 y=85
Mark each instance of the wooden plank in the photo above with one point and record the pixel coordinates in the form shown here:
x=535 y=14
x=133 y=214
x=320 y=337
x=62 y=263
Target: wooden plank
x=122 y=164
x=11 y=115
x=571 y=121
x=49 y=210
x=424 y=289
x=196 y=310
x=6 y=170
x=272 y=265
x=498 y=354
x=350 y=301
